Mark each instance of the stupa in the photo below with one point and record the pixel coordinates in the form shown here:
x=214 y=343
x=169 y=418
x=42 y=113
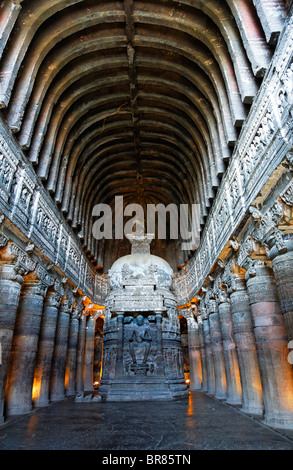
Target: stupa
x=142 y=354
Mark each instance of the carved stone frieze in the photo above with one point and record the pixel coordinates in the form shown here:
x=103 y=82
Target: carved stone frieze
x=37 y=217
x=287 y=195
x=259 y=151
x=3 y=238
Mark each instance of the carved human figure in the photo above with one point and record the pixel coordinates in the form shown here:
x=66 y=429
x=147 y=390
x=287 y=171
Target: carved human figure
x=141 y=339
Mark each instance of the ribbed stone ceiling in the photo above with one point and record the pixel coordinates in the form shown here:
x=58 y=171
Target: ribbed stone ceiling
x=140 y=99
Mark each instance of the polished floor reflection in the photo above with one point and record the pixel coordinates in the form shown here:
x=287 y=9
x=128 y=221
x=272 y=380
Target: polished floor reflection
x=197 y=423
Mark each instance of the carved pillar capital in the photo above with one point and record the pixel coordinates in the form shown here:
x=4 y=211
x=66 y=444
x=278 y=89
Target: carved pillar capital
x=211 y=306
x=66 y=306
x=247 y=248
x=12 y=253
x=289 y=160
x=222 y=296
x=255 y=267
x=53 y=299
x=3 y=238
x=203 y=311
x=191 y=321
x=78 y=309
x=15 y=263
x=266 y=230
x=286 y=196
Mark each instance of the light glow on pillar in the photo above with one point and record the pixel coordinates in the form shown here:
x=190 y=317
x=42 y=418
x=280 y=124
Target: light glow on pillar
x=36 y=391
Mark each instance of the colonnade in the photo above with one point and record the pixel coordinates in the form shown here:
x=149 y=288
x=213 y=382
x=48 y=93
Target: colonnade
x=241 y=321
x=47 y=330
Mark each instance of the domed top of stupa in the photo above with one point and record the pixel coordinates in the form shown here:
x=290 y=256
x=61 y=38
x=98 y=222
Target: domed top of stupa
x=140 y=266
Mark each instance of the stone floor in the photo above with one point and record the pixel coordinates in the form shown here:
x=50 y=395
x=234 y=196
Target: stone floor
x=198 y=423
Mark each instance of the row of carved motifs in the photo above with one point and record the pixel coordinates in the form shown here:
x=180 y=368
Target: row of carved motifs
x=24 y=203
x=271 y=228
x=25 y=263
x=265 y=139
x=254 y=249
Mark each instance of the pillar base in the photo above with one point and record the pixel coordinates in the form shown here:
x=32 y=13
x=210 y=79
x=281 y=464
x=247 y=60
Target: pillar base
x=194 y=388
x=219 y=396
x=283 y=422
x=19 y=410
x=234 y=401
x=57 y=398
x=41 y=404
x=250 y=410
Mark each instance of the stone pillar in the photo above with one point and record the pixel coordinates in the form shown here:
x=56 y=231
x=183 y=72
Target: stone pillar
x=41 y=385
x=89 y=354
x=272 y=345
x=209 y=355
x=252 y=399
x=80 y=356
x=194 y=354
x=25 y=346
x=10 y=287
x=282 y=263
x=98 y=353
x=234 y=392
x=71 y=360
x=202 y=354
x=119 y=356
x=160 y=356
x=57 y=383
x=218 y=351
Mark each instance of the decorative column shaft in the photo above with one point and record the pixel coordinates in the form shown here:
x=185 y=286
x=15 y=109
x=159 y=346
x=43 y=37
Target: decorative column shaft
x=89 y=354
x=209 y=357
x=57 y=384
x=252 y=399
x=234 y=392
x=218 y=352
x=80 y=356
x=71 y=360
x=25 y=346
x=41 y=385
x=10 y=287
x=160 y=356
x=119 y=357
x=202 y=354
x=194 y=354
x=272 y=345
x=282 y=264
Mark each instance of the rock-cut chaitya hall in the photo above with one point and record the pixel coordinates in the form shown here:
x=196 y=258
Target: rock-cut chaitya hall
x=182 y=110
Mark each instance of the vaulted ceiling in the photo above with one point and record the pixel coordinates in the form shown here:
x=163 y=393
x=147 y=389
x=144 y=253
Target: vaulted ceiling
x=140 y=99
